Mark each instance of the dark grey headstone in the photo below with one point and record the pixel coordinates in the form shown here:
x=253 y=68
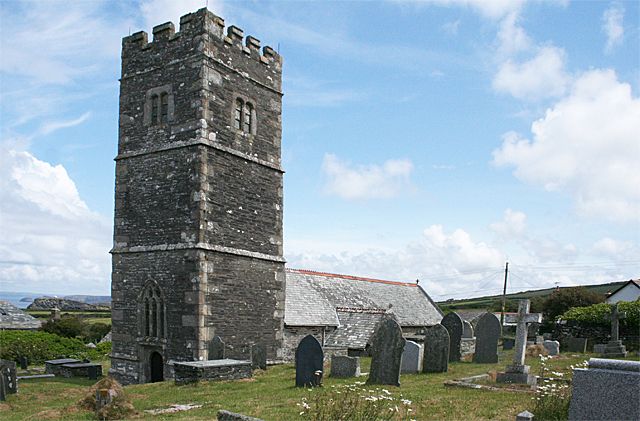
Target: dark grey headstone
x=552 y=347
x=436 y=350
x=309 y=359
x=576 y=344
x=467 y=329
x=599 y=348
x=454 y=326
x=508 y=343
x=607 y=390
x=487 y=335
x=259 y=356
x=216 y=348
x=24 y=363
x=3 y=389
x=411 y=358
x=9 y=372
x=387 y=345
x=344 y=366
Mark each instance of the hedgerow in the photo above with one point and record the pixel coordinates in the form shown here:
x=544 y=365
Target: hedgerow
x=598 y=314
x=40 y=346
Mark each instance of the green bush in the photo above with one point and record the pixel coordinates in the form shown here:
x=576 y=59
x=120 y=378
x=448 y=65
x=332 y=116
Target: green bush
x=37 y=346
x=598 y=315
x=67 y=326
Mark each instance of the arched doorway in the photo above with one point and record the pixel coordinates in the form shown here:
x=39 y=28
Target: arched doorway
x=157 y=367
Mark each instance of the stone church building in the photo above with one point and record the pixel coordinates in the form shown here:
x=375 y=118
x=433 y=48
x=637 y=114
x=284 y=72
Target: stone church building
x=198 y=246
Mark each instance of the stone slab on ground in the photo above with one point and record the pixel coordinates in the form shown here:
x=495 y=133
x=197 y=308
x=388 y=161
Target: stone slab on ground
x=211 y=370
x=606 y=390
x=53 y=366
x=232 y=416
x=80 y=370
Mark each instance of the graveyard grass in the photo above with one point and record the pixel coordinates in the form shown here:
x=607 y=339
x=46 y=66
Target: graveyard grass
x=271 y=395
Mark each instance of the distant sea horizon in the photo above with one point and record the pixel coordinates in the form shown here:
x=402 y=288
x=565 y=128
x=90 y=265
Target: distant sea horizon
x=16 y=297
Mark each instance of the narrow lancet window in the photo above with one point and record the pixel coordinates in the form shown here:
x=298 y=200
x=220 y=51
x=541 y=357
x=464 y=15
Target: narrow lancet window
x=248 y=109
x=164 y=108
x=238 y=114
x=154 y=109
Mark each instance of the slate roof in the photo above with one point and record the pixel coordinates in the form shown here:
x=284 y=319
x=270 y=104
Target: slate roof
x=12 y=318
x=313 y=297
x=356 y=327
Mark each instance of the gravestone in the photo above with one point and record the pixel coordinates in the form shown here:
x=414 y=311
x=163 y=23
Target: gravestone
x=9 y=372
x=487 y=335
x=552 y=347
x=344 y=366
x=436 y=350
x=259 y=356
x=518 y=372
x=453 y=323
x=614 y=347
x=216 y=348
x=576 y=344
x=387 y=345
x=599 y=348
x=467 y=329
x=24 y=363
x=3 y=389
x=606 y=390
x=508 y=343
x=412 y=358
x=309 y=359
x=524 y=416
x=92 y=372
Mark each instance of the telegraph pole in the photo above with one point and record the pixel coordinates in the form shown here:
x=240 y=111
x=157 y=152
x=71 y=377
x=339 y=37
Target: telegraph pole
x=504 y=294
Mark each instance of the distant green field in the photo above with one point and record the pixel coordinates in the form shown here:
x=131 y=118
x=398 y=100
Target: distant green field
x=487 y=301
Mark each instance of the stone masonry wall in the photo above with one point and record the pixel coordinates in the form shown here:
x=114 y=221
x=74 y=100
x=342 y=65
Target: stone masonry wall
x=198 y=204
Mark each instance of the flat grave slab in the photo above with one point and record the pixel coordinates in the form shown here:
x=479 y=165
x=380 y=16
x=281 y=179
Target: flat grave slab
x=81 y=370
x=211 y=370
x=53 y=366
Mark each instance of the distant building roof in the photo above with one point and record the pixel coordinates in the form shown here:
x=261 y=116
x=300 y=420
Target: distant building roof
x=12 y=318
x=626 y=292
x=321 y=299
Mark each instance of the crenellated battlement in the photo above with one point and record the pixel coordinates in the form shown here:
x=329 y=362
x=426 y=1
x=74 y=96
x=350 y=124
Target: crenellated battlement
x=200 y=23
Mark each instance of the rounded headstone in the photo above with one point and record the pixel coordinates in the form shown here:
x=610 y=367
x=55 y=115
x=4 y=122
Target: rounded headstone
x=387 y=345
x=453 y=323
x=309 y=359
x=436 y=350
x=487 y=335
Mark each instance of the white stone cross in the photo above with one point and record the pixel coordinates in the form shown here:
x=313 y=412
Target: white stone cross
x=524 y=317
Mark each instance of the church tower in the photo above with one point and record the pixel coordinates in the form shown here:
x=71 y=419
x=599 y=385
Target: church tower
x=198 y=198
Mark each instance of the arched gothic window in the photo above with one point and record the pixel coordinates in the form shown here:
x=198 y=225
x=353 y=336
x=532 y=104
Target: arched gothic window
x=244 y=116
x=152 y=311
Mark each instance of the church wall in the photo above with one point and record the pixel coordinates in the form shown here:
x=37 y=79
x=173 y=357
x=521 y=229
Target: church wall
x=244 y=303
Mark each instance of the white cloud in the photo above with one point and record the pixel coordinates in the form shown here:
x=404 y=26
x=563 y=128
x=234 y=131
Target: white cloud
x=492 y=9
x=612 y=26
x=52 y=126
x=366 y=181
x=512 y=38
x=513 y=224
x=542 y=76
x=157 y=12
x=445 y=262
x=51 y=241
x=587 y=145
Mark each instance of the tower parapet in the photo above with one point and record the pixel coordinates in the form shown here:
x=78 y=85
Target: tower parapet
x=206 y=32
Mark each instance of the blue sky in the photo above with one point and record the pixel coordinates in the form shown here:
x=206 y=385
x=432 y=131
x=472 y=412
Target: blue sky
x=422 y=140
